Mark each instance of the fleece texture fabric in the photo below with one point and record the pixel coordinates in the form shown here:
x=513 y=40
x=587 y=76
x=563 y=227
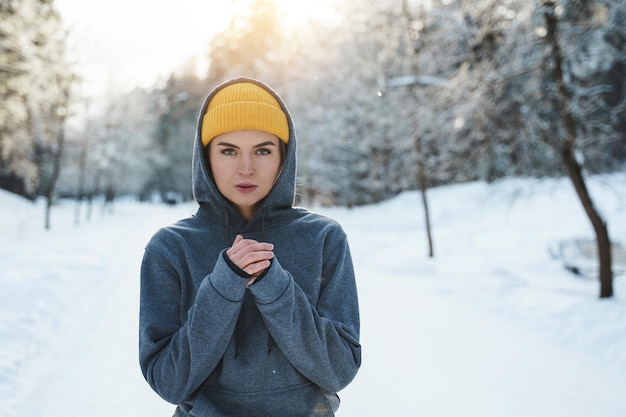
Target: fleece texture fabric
x=284 y=346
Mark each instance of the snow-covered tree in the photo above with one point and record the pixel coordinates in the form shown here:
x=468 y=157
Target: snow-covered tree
x=568 y=72
x=180 y=100
x=35 y=82
x=113 y=150
x=540 y=99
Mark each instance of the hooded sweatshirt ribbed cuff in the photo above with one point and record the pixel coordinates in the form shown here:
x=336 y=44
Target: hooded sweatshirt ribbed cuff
x=274 y=284
x=227 y=282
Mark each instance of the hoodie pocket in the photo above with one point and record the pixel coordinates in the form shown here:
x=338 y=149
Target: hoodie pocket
x=300 y=401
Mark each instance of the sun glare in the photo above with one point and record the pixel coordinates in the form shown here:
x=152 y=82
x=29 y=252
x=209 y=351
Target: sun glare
x=301 y=12
x=144 y=47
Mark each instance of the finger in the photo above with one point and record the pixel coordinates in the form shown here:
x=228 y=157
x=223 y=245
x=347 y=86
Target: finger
x=256 y=268
x=253 y=258
x=239 y=244
x=251 y=280
x=245 y=246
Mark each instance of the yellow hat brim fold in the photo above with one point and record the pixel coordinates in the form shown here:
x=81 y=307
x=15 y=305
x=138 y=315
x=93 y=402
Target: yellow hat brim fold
x=244 y=106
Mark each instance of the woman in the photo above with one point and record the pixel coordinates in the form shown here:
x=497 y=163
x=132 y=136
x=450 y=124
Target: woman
x=249 y=307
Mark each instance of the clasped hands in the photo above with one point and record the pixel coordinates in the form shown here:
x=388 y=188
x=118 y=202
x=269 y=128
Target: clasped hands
x=251 y=256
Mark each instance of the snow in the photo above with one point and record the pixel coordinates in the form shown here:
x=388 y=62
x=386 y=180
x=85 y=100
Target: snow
x=491 y=326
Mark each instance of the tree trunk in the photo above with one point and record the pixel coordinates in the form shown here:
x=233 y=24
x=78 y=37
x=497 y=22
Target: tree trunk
x=569 y=160
x=56 y=170
x=421 y=179
x=82 y=174
x=421 y=170
x=599 y=225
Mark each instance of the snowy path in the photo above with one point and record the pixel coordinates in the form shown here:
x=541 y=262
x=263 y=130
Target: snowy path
x=489 y=328
x=96 y=372
x=424 y=355
x=473 y=333
x=104 y=378
x=440 y=358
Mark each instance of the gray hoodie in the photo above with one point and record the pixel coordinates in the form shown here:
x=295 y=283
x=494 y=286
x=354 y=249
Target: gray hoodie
x=283 y=347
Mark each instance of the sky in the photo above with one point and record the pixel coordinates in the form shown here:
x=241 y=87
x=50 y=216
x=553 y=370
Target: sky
x=492 y=326
x=119 y=44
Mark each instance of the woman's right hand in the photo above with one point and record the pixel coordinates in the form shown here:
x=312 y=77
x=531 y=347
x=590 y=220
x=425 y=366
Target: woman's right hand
x=251 y=256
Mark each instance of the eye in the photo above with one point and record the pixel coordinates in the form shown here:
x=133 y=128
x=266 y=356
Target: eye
x=228 y=151
x=263 y=151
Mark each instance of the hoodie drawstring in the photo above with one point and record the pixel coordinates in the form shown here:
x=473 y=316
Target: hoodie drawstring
x=240 y=326
x=238 y=335
x=270 y=341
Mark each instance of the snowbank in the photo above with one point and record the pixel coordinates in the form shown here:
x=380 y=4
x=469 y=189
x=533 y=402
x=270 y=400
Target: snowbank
x=491 y=326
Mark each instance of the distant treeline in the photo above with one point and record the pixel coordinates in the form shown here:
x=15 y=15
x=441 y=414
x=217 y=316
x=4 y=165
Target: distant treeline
x=395 y=95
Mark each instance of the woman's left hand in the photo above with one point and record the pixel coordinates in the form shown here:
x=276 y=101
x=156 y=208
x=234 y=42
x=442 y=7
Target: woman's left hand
x=251 y=256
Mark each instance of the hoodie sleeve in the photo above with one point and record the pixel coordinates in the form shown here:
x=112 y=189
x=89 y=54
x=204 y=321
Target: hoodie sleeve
x=178 y=350
x=321 y=341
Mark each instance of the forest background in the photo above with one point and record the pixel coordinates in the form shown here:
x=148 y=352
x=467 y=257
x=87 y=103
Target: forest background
x=387 y=96
x=459 y=90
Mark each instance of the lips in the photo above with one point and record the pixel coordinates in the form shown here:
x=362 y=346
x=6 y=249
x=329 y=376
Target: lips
x=245 y=187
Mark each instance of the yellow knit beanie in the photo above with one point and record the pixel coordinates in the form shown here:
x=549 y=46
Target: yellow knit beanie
x=244 y=106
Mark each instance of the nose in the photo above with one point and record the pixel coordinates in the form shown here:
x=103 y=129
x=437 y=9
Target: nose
x=246 y=166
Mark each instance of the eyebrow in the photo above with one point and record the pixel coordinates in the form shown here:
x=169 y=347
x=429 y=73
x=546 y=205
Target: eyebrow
x=260 y=145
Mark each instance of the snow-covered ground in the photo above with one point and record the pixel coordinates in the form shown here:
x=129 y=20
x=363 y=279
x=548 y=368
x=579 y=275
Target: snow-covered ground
x=491 y=326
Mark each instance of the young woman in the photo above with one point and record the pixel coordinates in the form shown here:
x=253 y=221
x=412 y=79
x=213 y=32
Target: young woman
x=249 y=307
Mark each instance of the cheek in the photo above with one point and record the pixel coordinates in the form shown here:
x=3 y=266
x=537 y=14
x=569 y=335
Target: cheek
x=218 y=169
x=272 y=170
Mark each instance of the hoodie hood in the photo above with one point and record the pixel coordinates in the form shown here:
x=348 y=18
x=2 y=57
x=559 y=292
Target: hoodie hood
x=213 y=206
